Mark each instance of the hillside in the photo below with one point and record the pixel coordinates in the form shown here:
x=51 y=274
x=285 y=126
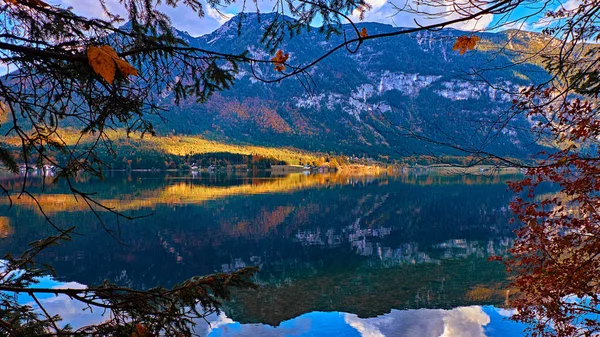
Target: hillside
x=370 y=103
x=367 y=102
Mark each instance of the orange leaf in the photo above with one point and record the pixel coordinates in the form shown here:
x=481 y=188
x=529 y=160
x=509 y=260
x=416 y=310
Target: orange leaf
x=279 y=59
x=363 y=32
x=141 y=331
x=105 y=62
x=465 y=43
x=125 y=68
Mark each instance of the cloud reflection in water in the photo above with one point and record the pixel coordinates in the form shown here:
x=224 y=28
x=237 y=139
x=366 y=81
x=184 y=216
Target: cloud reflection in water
x=471 y=321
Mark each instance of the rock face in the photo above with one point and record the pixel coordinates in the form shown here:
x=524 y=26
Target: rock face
x=369 y=102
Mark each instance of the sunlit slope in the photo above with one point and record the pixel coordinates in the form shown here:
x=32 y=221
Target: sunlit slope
x=180 y=146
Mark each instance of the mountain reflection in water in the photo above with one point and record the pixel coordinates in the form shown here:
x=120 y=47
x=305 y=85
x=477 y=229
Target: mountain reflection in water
x=471 y=321
x=349 y=252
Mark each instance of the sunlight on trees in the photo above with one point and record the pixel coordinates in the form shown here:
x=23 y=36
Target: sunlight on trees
x=101 y=75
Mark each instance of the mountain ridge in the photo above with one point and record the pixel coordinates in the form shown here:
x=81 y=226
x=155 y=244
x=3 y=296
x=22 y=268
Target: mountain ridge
x=382 y=100
x=366 y=102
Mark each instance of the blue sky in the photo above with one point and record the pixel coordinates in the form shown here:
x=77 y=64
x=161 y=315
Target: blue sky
x=382 y=11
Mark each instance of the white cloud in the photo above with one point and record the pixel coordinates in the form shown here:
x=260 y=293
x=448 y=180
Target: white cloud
x=403 y=14
x=72 y=312
x=465 y=322
x=219 y=16
x=75 y=313
x=543 y=21
x=374 y=12
x=571 y=4
x=219 y=321
x=187 y=20
x=70 y=285
x=183 y=18
x=363 y=326
x=459 y=322
x=479 y=23
x=506 y=312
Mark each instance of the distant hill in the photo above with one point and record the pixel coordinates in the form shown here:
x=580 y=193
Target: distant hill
x=363 y=103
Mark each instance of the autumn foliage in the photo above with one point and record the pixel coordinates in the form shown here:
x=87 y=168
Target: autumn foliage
x=105 y=62
x=556 y=255
x=363 y=32
x=556 y=258
x=279 y=60
x=465 y=43
x=141 y=331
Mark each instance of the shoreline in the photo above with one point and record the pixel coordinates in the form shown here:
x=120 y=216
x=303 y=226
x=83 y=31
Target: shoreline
x=441 y=168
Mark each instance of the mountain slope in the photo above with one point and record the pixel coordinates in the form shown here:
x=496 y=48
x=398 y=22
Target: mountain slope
x=367 y=102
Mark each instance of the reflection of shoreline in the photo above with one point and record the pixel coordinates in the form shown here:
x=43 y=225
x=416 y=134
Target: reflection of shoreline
x=362 y=245
x=374 y=223
x=190 y=193
x=185 y=193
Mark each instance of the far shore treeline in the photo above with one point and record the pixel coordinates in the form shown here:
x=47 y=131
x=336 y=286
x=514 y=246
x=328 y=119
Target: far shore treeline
x=187 y=152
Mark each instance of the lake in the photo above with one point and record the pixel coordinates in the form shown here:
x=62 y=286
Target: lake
x=401 y=255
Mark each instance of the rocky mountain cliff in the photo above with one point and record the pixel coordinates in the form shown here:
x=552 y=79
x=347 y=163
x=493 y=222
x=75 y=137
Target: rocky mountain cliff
x=369 y=101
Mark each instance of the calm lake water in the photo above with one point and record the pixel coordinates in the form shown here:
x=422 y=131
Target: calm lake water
x=339 y=256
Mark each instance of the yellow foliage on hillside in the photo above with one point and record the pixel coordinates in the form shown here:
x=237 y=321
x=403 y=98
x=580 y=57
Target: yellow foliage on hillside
x=188 y=145
x=184 y=145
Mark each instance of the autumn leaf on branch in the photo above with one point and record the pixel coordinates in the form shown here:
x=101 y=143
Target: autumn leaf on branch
x=363 y=32
x=465 y=43
x=141 y=331
x=33 y=3
x=105 y=61
x=279 y=60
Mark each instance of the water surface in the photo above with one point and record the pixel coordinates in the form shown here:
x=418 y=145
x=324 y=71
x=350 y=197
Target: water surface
x=338 y=255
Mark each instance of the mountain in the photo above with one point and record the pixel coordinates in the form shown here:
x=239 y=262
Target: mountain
x=366 y=102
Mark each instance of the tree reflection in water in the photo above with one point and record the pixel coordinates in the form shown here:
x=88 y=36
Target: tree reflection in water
x=368 y=246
